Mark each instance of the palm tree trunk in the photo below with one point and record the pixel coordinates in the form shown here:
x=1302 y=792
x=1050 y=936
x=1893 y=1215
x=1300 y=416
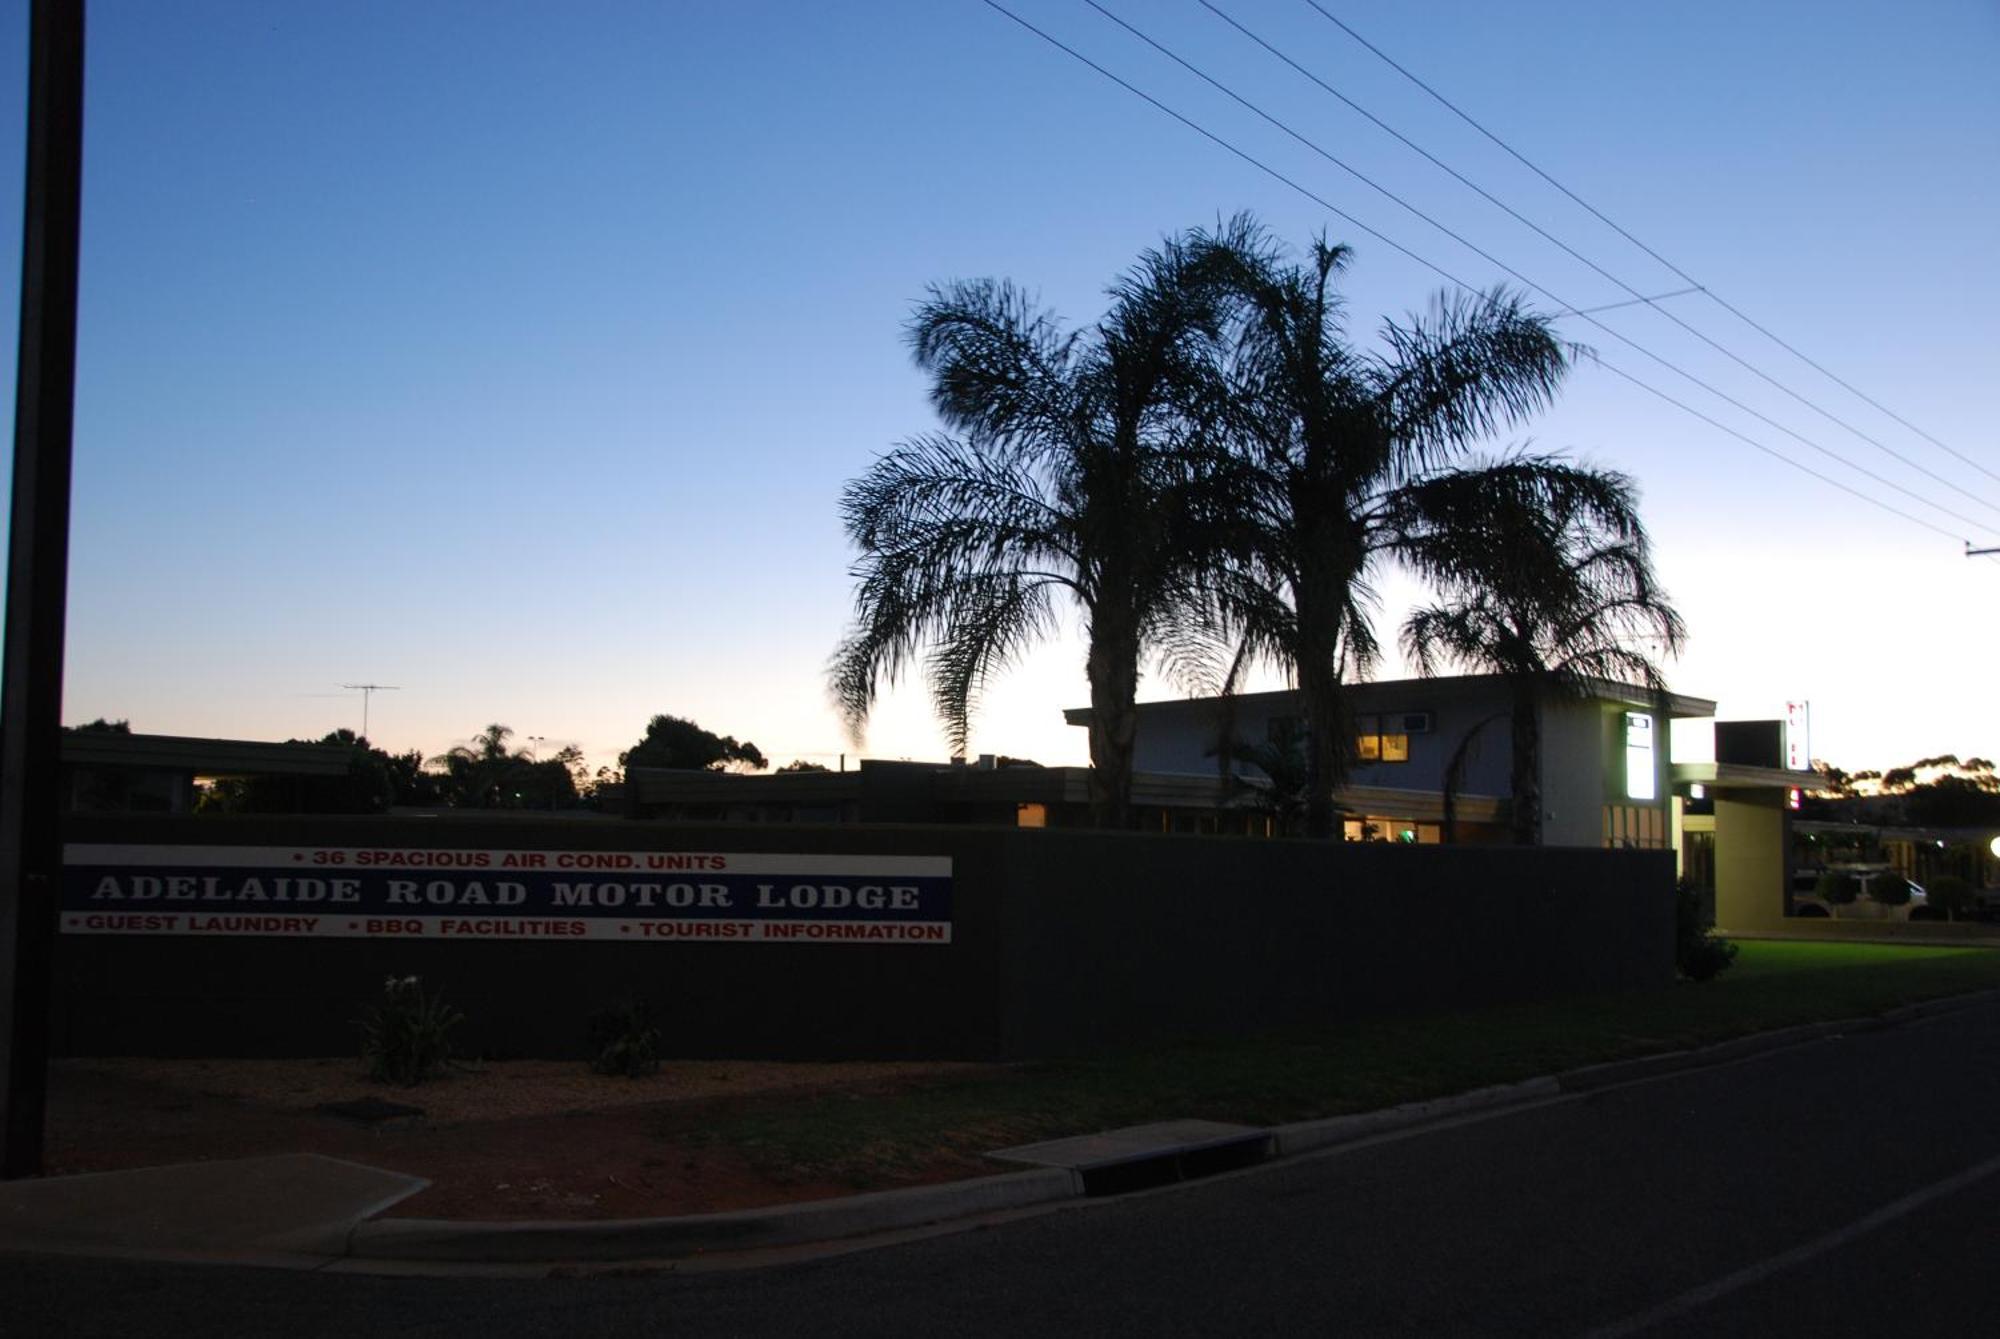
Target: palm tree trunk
x=1113 y=670
x=1526 y=767
x=1319 y=686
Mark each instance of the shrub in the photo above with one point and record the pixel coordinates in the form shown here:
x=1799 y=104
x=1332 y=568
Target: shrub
x=406 y=1034
x=1889 y=888
x=1950 y=894
x=1699 y=952
x=1837 y=888
x=624 y=1041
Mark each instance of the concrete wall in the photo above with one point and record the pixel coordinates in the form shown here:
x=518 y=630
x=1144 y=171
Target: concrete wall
x=1063 y=942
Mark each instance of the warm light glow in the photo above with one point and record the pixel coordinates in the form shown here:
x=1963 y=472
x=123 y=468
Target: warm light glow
x=1994 y=846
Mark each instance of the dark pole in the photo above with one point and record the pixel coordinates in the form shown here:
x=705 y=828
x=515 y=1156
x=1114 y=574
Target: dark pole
x=38 y=576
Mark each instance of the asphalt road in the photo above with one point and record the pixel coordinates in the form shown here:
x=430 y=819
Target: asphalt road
x=1847 y=1187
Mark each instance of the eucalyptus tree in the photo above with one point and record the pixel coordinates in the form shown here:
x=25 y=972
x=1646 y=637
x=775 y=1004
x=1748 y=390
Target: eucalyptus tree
x=1077 y=470
x=1556 y=593
x=1348 y=460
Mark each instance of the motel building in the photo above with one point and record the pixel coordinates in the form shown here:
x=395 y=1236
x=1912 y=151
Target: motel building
x=1620 y=767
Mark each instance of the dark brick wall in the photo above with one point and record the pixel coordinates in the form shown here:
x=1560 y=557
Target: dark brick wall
x=1063 y=941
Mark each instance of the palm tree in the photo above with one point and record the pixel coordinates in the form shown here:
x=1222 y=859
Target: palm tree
x=478 y=774
x=1281 y=796
x=1346 y=459
x=1558 y=595
x=1082 y=472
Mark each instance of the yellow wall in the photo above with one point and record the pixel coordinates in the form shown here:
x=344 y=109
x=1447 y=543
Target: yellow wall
x=1750 y=838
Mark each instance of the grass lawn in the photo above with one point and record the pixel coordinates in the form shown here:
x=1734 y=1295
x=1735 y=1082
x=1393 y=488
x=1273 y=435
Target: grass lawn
x=871 y=1140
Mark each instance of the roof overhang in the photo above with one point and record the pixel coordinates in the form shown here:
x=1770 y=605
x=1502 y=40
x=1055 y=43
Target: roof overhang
x=1742 y=776
x=1673 y=705
x=203 y=757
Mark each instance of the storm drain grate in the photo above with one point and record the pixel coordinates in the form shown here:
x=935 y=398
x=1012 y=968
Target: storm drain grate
x=1140 y=1157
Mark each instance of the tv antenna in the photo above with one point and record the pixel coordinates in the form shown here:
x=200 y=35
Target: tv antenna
x=368 y=690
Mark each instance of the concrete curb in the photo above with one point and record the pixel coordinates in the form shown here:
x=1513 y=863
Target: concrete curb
x=665 y=1238
x=1306 y=1136
x=1590 y=1078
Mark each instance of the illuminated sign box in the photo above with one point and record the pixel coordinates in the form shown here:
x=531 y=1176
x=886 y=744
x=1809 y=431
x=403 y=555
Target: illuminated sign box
x=1641 y=782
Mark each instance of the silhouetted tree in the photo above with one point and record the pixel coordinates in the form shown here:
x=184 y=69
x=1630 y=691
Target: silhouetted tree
x=1953 y=802
x=670 y=741
x=1555 y=591
x=1078 y=477
x=1281 y=757
x=1345 y=462
x=414 y=783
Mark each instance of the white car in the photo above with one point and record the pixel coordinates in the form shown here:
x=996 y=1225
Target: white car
x=1808 y=903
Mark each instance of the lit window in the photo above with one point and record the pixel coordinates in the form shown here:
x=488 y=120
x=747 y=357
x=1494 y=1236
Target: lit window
x=1031 y=816
x=1371 y=744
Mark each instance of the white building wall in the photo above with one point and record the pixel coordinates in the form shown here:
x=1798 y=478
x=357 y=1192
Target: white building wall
x=1574 y=751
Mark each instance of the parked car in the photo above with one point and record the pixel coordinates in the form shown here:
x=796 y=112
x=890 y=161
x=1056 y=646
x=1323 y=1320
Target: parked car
x=1808 y=902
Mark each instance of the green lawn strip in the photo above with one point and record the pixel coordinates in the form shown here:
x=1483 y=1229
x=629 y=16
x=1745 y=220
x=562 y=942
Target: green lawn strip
x=882 y=1138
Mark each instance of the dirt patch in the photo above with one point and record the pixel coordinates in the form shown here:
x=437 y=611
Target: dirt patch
x=503 y=1141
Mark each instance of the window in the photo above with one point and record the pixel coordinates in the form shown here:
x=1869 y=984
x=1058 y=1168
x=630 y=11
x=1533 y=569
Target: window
x=1373 y=744
x=1632 y=825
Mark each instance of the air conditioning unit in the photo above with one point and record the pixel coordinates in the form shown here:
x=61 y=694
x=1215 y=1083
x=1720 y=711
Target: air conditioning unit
x=1416 y=722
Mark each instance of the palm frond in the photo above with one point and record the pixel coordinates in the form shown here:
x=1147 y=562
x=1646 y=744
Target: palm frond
x=1473 y=365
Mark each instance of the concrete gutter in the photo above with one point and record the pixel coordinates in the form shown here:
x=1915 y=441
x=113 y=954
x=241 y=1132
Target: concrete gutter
x=1592 y=1077
x=1308 y=1136
x=666 y=1238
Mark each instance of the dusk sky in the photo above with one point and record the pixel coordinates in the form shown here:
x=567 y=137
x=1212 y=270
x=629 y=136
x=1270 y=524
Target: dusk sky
x=515 y=353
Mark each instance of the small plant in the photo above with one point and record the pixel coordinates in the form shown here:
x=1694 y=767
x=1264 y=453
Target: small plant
x=406 y=1034
x=1889 y=888
x=1951 y=895
x=1699 y=952
x=624 y=1041
x=1837 y=888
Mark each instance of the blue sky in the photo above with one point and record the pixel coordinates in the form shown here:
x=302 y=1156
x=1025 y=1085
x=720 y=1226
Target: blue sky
x=515 y=354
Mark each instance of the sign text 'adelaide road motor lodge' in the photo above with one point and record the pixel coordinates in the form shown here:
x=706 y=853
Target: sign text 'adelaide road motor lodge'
x=448 y=893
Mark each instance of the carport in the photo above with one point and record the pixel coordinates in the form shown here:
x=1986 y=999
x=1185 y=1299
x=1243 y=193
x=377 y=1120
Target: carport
x=1744 y=838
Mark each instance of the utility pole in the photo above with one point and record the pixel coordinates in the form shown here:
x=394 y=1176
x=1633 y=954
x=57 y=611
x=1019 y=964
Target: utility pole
x=367 y=690
x=38 y=576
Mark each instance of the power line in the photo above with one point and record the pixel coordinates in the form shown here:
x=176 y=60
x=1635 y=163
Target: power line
x=1492 y=259
x=1544 y=233
x=1629 y=302
x=1727 y=306
x=1750 y=441
x=1398 y=247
